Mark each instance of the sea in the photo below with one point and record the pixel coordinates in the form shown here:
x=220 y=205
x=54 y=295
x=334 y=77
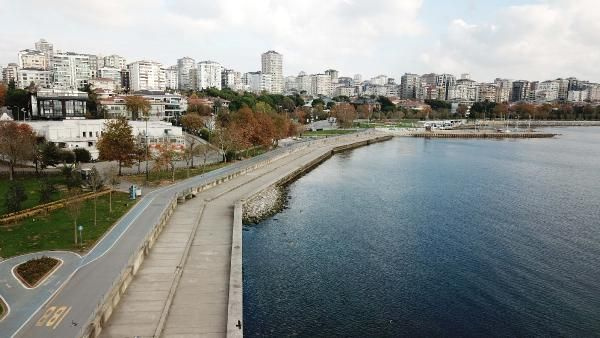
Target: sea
x=434 y=237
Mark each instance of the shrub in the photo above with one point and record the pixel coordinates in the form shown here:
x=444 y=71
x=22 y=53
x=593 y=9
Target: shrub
x=33 y=270
x=82 y=155
x=67 y=156
x=15 y=195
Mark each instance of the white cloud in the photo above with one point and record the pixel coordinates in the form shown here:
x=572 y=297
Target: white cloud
x=312 y=34
x=533 y=41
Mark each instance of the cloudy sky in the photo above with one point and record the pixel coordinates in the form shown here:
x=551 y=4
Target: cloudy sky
x=517 y=39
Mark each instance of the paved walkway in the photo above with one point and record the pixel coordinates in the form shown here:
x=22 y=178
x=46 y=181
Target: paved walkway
x=194 y=302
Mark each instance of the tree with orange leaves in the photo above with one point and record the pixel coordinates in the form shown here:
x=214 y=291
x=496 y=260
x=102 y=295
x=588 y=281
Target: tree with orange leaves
x=17 y=142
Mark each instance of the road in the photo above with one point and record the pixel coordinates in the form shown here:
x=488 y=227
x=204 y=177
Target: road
x=75 y=300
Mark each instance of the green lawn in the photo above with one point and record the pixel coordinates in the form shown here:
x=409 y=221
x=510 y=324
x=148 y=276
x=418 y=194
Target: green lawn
x=55 y=230
x=329 y=132
x=180 y=174
x=32 y=187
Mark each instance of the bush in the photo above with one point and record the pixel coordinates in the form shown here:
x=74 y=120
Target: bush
x=33 y=270
x=82 y=155
x=46 y=190
x=67 y=156
x=15 y=195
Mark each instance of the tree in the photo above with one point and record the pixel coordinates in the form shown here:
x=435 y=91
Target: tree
x=15 y=195
x=365 y=112
x=112 y=179
x=386 y=104
x=82 y=155
x=47 y=188
x=117 y=143
x=16 y=143
x=3 y=91
x=95 y=182
x=196 y=105
x=462 y=109
x=318 y=101
x=193 y=123
x=50 y=155
x=138 y=106
x=66 y=156
x=500 y=110
x=345 y=114
x=18 y=101
x=166 y=157
x=74 y=208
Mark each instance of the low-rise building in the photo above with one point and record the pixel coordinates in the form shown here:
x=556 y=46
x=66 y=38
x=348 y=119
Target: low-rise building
x=73 y=134
x=58 y=104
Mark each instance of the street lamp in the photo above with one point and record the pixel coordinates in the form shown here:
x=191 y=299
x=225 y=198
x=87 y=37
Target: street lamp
x=146 y=118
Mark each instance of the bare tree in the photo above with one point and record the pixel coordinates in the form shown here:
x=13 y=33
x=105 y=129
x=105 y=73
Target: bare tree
x=112 y=178
x=95 y=181
x=74 y=209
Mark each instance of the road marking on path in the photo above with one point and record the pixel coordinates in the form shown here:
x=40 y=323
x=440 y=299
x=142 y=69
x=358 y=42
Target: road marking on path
x=53 y=316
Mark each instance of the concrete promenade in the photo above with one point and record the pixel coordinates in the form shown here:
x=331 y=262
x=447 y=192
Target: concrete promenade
x=182 y=288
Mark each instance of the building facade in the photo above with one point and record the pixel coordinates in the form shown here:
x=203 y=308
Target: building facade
x=40 y=78
x=209 y=74
x=185 y=77
x=70 y=70
x=146 y=75
x=272 y=64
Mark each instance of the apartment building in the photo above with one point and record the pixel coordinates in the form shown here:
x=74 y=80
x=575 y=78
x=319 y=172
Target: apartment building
x=146 y=75
x=272 y=64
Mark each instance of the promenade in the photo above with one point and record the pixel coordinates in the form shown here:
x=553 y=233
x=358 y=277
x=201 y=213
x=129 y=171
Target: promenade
x=182 y=288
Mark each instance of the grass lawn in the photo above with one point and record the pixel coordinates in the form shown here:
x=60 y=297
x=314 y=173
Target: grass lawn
x=329 y=132
x=55 y=230
x=180 y=174
x=32 y=187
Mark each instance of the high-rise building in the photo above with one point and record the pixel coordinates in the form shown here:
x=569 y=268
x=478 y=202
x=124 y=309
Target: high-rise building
x=231 y=79
x=504 y=92
x=39 y=77
x=186 y=77
x=334 y=74
x=257 y=82
x=520 y=91
x=321 y=85
x=304 y=83
x=209 y=74
x=33 y=59
x=70 y=70
x=409 y=84
x=171 y=78
x=272 y=64
x=47 y=48
x=111 y=73
x=115 y=61
x=146 y=75
x=96 y=62
x=379 y=80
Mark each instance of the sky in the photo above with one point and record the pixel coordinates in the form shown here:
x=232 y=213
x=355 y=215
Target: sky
x=514 y=39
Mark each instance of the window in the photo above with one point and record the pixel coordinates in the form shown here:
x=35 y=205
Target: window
x=84 y=134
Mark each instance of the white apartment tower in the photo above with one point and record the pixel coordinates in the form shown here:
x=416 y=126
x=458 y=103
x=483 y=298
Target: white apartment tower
x=146 y=75
x=70 y=70
x=171 y=80
x=33 y=59
x=272 y=64
x=10 y=72
x=185 y=76
x=47 y=48
x=115 y=61
x=321 y=85
x=209 y=74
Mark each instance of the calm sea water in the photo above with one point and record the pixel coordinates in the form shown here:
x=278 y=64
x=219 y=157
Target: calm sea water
x=416 y=237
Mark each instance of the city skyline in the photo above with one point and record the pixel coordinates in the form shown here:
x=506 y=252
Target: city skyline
x=389 y=37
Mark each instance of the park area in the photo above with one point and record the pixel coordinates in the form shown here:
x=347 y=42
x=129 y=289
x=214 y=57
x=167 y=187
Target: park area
x=55 y=230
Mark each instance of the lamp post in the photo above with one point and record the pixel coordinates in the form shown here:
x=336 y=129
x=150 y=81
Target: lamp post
x=146 y=117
